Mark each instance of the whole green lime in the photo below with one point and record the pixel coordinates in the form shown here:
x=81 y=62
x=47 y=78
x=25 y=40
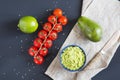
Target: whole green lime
x=28 y=24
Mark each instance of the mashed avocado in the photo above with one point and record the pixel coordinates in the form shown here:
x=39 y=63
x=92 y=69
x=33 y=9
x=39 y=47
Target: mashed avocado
x=73 y=58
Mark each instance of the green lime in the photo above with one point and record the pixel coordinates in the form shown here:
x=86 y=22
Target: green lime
x=28 y=24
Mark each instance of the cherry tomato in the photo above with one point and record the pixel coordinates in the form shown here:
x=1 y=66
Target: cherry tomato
x=53 y=35
x=52 y=19
x=42 y=34
x=32 y=50
x=47 y=26
x=63 y=20
x=58 y=28
x=43 y=51
x=37 y=42
x=57 y=12
x=48 y=43
x=38 y=59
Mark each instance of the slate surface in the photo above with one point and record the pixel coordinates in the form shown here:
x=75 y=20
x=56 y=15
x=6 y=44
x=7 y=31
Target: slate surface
x=15 y=63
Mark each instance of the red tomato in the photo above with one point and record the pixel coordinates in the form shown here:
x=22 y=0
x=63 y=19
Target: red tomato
x=47 y=26
x=53 y=35
x=52 y=19
x=42 y=34
x=38 y=59
x=43 y=51
x=57 y=12
x=58 y=28
x=37 y=42
x=63 y=20
x=32 y=50
x=48 y=43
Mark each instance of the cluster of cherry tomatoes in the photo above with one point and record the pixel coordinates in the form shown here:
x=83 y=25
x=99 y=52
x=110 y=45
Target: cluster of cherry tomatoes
x=46 y=36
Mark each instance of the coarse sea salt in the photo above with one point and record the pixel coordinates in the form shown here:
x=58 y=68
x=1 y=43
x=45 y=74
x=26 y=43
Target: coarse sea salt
x=29 y=70
x=14 y=69
x=21 y=41
x=4 y=73
x=47 y=10
x=33 y=67
x=63 y=34
x=25 y=74
x=16 y=37
x=0 y=56
x=10 y=47
x=28 y=63
x=19 y=15
x=17 y=28
x=58 y=48
x=17 y=74
x=55 y=47
x=22 y=77
x=69 y=6
x=26 y=39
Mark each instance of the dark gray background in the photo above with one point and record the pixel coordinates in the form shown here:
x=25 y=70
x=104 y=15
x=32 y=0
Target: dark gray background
x=15 y=63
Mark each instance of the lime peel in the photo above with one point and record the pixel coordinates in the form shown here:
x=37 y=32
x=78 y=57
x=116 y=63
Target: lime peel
x=28 y=24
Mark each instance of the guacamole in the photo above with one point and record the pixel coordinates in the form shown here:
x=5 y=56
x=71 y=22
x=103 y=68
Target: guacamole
x=73 y=58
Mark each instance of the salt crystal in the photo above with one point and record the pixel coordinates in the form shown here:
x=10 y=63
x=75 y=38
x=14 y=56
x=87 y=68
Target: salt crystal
x=17 y=74
x=47 y=10
x=0 y=56
x=58 y=48
x=22 y=77
x=19 y=15
x=63 y=34
x=26 y=39
x=56 y=2
x=22 y=50
x=67 y=2
x=16 y=37
x=17 y=55
x=21 y=47
x=53 y=2
x=17 y=28
x=33 y=67
x=41 y=22
x=25 y=74
x=63 y=12
x=28 y=63
x=55 y=47
x=69 y=6
x=34 y=73
x=55 y=5
x=14 y=70
x=21 y=41
x=10 y=47
x=29 y=70
x=4 y=73
x=32 y=64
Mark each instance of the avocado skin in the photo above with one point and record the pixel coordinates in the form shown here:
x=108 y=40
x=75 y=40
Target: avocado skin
x=90 y=28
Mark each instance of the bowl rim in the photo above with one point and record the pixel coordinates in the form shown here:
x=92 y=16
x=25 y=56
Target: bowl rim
x=61 y=52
